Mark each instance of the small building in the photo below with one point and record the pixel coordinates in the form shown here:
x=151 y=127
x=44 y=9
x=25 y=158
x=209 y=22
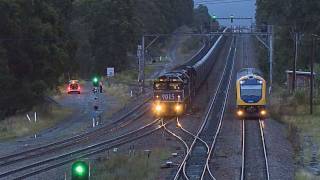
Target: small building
x=302 y=79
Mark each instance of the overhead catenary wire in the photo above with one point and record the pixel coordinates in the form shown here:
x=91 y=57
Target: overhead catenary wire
x=221 y=2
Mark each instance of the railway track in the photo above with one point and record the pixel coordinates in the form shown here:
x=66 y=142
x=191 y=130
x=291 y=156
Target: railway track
x=254 y=153
x=59 y=160
x=195 y=163
x=6 y=162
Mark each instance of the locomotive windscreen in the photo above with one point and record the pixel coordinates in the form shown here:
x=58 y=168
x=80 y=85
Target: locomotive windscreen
x=168 y=86
x=160 y=86
x=175 y=86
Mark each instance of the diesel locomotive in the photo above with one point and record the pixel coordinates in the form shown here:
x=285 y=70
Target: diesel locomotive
x=173 y=92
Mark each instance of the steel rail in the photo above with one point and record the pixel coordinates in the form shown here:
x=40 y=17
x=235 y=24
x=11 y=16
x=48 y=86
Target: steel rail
x=243 y=151
x=265 y=156
x=177 y=137
x=75 y=152
x=220 y=121
x=208 y=112
x=195 y=137
x=35 y=152
x=189 y=133
x=121 y=142
x=264 y=148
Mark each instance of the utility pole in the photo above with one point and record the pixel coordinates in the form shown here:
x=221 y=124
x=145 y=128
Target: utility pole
x=270 y=56
x=143 y=64
x=312 y=78
x=296 y=37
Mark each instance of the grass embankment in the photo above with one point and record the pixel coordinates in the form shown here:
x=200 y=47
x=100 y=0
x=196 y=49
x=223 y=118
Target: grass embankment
x=121 y=86
x=19 y=125
x=189 y=47
x=137 y=167
x=303 y=128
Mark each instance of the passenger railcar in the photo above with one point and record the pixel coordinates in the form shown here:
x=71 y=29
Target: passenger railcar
x=173 y=91
x=251 y=94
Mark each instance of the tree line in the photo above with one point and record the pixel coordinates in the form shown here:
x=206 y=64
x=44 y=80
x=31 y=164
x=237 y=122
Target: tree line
x=44 y=42
x=289 y=18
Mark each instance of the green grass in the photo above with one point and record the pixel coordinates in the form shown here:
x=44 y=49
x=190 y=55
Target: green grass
x=190 y=44
x=136 y=167
x=127 y=76
x=18 y=125
x=293 y=110
x=304 y=175
x=120 y=91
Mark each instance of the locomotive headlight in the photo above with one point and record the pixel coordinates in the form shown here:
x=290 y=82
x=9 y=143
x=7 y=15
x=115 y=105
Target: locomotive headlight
x=240 y=113
x=263 y=112
x=178 y=108
x=158 y=108
x=157 y=96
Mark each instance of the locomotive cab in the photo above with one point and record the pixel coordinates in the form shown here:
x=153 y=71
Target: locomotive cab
x=169 y=94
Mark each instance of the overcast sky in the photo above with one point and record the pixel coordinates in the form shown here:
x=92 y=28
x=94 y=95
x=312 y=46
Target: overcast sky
x=224 y=8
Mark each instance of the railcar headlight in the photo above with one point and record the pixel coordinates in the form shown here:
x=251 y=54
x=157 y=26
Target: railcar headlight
x=178 y=108
x=263 y=112
x=260 y=82
x=240 y=113
x=241 y=82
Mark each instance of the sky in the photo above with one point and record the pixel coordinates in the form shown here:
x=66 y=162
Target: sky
x=224 y=8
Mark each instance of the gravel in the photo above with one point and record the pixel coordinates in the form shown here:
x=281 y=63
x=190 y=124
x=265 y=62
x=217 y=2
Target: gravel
x=280 y=152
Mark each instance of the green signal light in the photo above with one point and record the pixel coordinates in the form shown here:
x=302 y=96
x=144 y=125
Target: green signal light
x=80 y=170
x=95 y=81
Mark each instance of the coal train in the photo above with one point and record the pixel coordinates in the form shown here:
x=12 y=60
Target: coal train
x=173 y=92
x=251 y=94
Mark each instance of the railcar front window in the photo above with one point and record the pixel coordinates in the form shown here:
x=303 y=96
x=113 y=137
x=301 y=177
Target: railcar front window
x=251 y=90
x=160 y=86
